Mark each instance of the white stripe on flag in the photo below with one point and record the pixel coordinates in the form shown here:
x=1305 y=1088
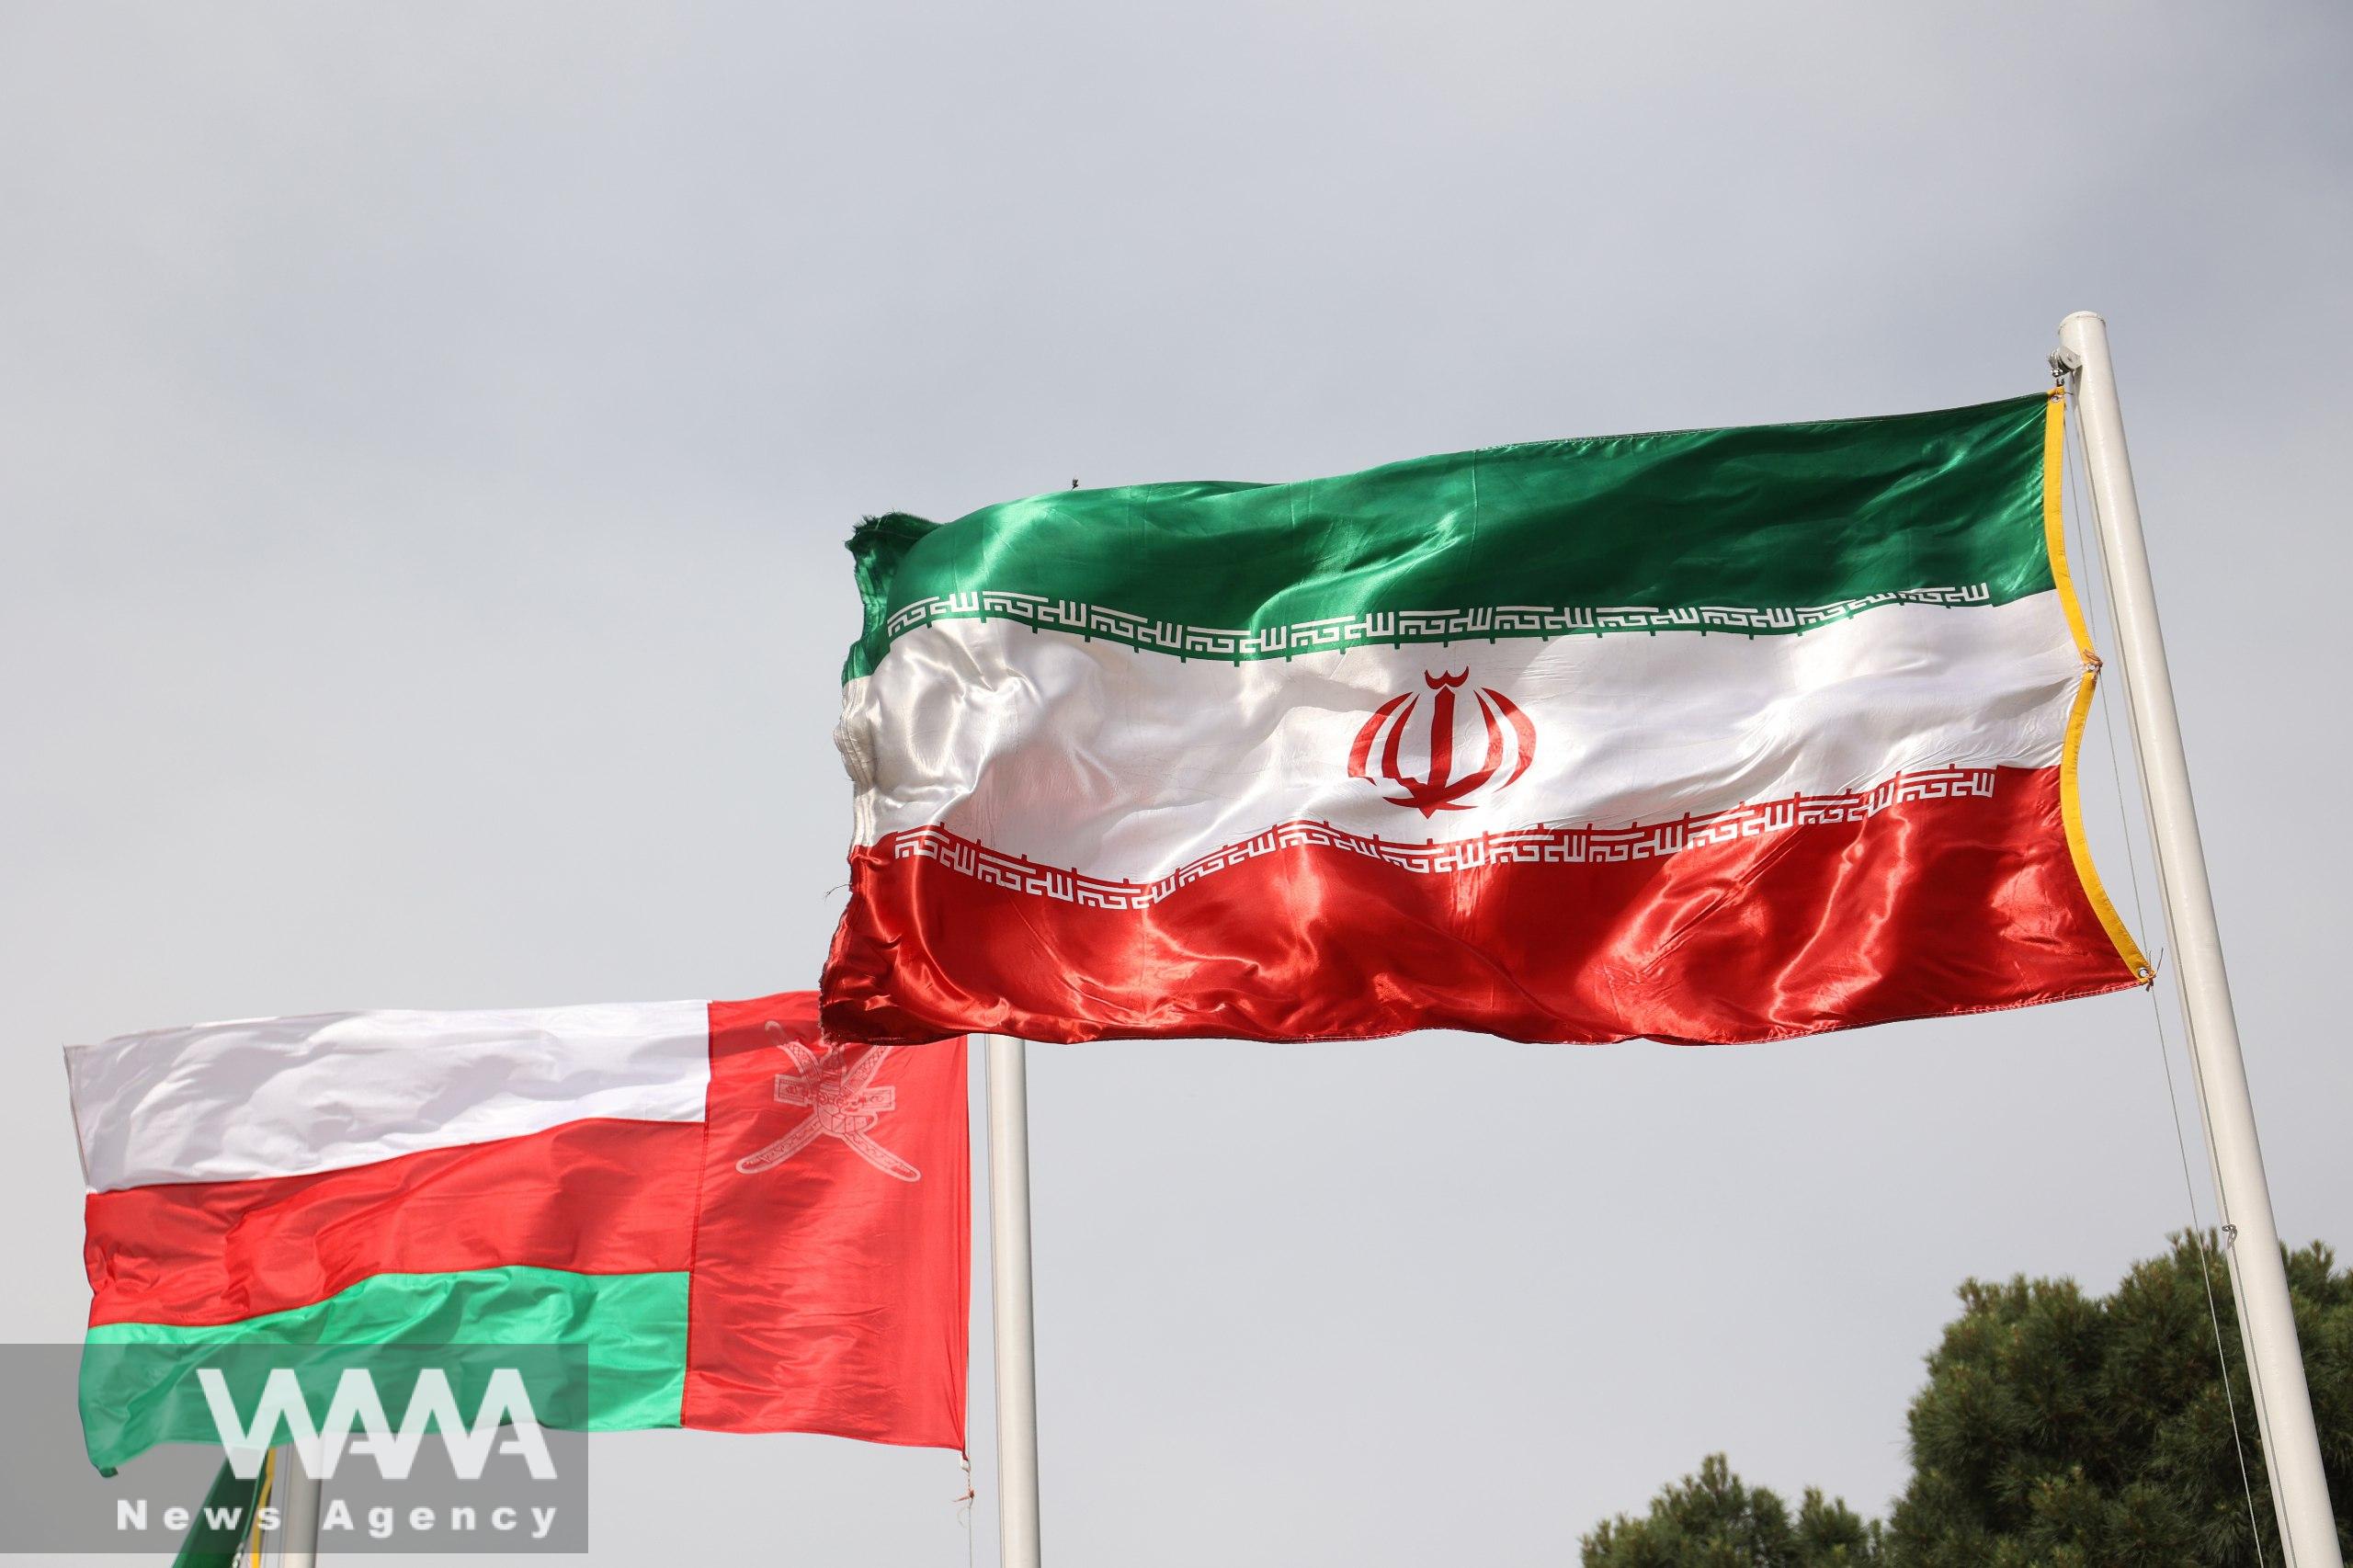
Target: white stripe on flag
x=1096 y=757
x=289 y=1096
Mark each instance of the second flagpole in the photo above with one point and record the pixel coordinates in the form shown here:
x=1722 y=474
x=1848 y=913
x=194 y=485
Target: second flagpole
x=1011 y=1310
x=2291 y=1448
x=297 y=1496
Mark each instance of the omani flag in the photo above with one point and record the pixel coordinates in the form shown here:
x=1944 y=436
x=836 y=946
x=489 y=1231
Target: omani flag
x=1710 y=737
x=725 y=1220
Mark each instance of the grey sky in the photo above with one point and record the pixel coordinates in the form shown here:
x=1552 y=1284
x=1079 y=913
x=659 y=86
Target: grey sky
x=426 y=439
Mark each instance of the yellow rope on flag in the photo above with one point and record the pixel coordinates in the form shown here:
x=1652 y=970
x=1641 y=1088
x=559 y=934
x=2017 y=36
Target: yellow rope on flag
x=2071 y=809
x=252 y=1549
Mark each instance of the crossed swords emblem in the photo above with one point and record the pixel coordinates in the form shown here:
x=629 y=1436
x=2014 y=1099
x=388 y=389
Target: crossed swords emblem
x=842 y=1103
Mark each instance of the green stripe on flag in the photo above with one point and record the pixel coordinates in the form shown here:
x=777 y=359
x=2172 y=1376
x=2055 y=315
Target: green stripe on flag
x=624 y=1335
x=1772 y=527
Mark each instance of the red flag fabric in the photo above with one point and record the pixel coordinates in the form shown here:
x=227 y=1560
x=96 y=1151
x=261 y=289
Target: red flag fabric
x=832 y=1245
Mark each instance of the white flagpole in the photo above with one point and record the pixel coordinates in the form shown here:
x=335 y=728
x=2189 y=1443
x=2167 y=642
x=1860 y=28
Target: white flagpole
x=1011 y=1310
x=297 y=1501
x=2258 y=1279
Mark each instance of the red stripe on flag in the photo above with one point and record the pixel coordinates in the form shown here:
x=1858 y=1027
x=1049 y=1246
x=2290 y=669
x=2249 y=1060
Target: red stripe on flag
x=833 y=1241
x=1924 y=907
x=596 y=1196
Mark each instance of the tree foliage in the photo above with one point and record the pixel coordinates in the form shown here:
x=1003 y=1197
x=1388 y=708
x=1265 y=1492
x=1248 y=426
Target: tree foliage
x=1715 y=1520
x=2057 y=1430
x=2063 y=1430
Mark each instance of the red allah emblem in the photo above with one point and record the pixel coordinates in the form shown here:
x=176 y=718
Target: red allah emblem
x=1511 y=738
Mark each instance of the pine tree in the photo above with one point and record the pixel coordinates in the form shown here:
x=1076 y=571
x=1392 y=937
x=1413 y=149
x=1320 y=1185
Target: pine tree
x=2066 y=1431
x=1713 y=1519
x=2057 y=1430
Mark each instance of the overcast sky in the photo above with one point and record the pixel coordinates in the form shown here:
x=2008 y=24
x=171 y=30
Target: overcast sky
x=428 y=434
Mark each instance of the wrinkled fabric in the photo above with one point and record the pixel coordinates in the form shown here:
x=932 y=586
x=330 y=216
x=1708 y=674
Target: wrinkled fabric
x=1766 y=517
x=1094 y=757
x=1926 y=907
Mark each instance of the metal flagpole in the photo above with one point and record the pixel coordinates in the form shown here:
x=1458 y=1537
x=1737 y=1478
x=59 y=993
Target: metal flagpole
x=2258 y=1279
x=298 y=1511
x=1010 y=1304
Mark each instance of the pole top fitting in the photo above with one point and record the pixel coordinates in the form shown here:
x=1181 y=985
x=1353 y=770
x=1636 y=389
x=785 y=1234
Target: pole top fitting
x=2082 y=327
x=2065 y=362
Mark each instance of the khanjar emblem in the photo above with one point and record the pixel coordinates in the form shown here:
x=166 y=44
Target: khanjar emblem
x=842 y=1103
x=1377 y=756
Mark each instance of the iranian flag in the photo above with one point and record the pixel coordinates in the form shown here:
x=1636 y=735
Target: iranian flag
x=1708 y=736
x=724 y=1220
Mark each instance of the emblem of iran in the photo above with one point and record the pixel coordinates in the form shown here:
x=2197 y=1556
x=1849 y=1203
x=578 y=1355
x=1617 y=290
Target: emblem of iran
x=1378 y=756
